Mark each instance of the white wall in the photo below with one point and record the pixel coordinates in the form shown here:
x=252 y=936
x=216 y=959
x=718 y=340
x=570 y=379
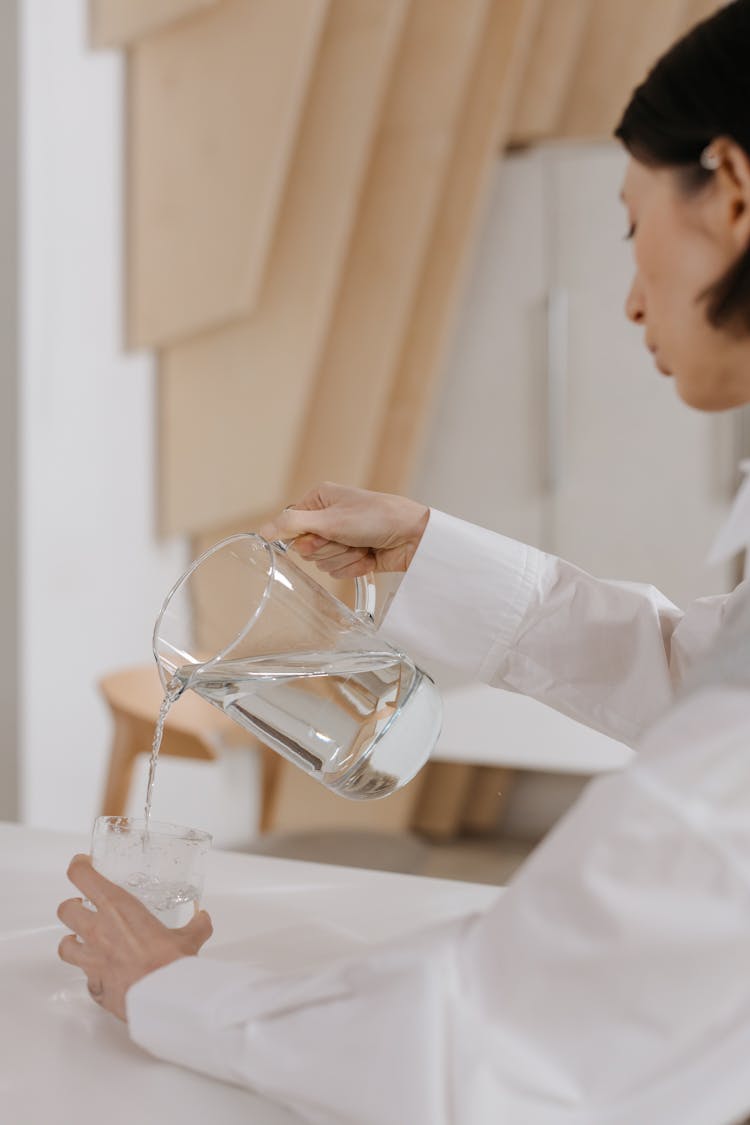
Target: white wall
x=9 y=622
x=93 y=574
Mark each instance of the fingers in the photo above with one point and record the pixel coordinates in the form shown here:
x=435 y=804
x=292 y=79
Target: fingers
x=357 y=568
x=73 y=951
x=295 y=522
x=198 y=930
x=99 y=890
x=73 y=914
x=307 y=545
x=96 y=991
x=94 y=886
x=346 y=564
x=320 y=512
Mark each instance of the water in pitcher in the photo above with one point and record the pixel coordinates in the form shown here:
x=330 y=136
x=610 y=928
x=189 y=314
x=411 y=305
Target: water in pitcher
x=330 y=713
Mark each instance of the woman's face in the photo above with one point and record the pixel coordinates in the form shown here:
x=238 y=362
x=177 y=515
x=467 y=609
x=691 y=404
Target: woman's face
x=683 y=243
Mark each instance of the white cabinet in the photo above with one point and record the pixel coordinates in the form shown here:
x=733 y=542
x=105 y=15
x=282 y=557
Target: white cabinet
x=641 y=483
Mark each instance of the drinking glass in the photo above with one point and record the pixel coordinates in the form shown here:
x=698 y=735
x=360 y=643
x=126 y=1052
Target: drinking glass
x=164 y=867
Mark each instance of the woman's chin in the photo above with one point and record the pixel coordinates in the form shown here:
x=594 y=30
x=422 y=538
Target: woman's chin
x=706 y=394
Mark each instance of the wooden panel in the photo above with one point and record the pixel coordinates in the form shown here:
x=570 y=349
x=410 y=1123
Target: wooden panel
x=490 y=788
x=391 y=237
x=485 y=122
x=693 y=11
x=588 y=57
x=114 y=23
x=215 y=102
x=445 y=789
x=550 y=69
x=301 y=804
x=236 y=398
x=621 y=43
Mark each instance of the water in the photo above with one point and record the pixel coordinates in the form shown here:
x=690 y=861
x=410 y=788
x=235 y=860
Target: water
x=330 y=713
x=174 y=904
x=173 y=692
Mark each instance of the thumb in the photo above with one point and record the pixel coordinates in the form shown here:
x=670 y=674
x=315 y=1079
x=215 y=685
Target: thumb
x=198 y=930
x=293 y=522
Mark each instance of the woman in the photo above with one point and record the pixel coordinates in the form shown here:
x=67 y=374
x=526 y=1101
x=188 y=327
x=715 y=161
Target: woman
x=611 y=982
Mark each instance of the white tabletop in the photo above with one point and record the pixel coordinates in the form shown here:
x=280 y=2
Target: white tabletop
x=64 y=1060
x=486 y=727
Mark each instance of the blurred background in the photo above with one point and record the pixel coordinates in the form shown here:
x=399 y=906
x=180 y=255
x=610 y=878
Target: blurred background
x=248 y=245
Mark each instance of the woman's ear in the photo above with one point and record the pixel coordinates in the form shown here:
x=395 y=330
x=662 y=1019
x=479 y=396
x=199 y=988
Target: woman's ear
x=732 y=193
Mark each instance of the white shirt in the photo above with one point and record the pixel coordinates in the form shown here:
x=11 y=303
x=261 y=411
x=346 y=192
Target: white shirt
x=610 y=983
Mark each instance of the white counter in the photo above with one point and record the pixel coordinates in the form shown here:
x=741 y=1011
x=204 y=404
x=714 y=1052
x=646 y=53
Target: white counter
x=64 y=1060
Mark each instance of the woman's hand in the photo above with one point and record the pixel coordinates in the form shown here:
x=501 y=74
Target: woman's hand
x=349 y=532
x=121 y=941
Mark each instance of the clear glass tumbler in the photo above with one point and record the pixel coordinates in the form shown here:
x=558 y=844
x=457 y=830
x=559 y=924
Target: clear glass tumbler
x=164 y=868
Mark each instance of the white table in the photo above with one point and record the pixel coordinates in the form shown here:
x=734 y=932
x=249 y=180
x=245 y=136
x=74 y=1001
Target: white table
x=486 y=727
x=64 y=1060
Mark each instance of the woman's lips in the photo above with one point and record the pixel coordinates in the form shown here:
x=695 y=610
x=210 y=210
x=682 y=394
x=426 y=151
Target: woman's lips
x=659 y=365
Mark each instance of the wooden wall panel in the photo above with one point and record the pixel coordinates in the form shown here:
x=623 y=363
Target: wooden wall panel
x=233 y=401
x=621 y=42
x=115 y=23
x=214 y=104
x=694 y=11
x=550 y=68
x=300 y=804
x=587 y=57
x=485 y=123
x=405 y=180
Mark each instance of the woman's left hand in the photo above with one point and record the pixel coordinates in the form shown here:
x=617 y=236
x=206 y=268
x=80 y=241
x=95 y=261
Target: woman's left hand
x=121 y=941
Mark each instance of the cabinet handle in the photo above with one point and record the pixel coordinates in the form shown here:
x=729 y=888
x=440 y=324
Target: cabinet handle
x=557 y=317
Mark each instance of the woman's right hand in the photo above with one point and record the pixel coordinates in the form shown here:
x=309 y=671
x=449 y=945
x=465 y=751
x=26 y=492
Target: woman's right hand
x=349 y=532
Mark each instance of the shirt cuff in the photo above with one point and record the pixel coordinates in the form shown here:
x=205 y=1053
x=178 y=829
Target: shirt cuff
x=172 y=1012
x=464 y=596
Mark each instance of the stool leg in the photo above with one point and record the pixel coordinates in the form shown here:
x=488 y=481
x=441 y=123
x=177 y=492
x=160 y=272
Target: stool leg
x=271 y=766
x=120 y=769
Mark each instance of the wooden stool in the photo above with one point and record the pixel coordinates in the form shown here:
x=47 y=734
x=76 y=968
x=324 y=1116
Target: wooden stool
x=194 y=729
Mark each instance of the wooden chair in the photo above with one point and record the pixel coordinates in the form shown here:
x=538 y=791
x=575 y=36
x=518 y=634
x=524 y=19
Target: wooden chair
x=194 y=729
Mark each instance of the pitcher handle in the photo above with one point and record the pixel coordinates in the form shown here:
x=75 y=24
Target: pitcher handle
x=365 y=595
x=365 y=590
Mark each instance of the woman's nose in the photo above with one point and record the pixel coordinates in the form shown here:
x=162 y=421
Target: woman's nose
x=635 y=306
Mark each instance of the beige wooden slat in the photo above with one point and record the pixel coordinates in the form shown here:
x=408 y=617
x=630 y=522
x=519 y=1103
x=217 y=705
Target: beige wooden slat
x=214 y=106
x=485 y=123
x=442 y=799
x=490 y=788
x=302 y=804
x=233 y=401
x=550 y=68
x=437 y=56
x=621 y=43
x=116 y=23
x=693 y=11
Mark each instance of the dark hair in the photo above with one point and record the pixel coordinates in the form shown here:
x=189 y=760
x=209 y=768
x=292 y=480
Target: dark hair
x=698 y=91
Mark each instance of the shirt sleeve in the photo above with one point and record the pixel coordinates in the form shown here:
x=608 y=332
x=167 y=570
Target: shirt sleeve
x=493 y=610
x=610 y=984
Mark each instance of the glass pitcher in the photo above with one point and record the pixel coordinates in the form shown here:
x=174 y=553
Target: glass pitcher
x=254 y=635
